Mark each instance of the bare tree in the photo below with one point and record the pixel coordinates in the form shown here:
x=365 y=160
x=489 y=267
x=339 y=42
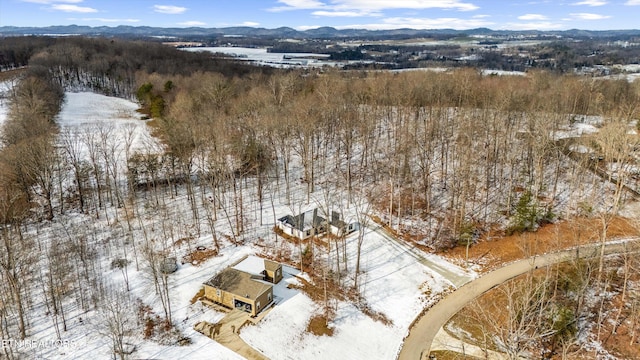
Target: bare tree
x=522 y=316
x=362 y=208
x=117 y=320
x=154 y=262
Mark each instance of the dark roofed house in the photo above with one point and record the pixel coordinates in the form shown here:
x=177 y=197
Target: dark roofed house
x=308 y=224
x=304 y=225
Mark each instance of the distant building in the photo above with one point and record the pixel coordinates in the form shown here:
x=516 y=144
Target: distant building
x=309 y=223
x=247 y=285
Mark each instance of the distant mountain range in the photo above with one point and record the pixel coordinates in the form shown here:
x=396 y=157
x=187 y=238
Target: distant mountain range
x=287 y=32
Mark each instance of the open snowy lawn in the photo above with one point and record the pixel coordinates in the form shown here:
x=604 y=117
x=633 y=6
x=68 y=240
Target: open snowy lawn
x=87 y=108
x=5 y=87
x=3 y=111
x=111 y=122
x=393 y=283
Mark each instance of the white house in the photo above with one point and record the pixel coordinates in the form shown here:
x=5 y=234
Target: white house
x=309 y=223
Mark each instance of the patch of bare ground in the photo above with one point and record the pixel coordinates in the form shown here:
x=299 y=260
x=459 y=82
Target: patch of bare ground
x=451 y=355
x=622 y=333
x=11 y=74
x=159 y=329
x=319 y=326
x=199 y=256
x=285 y=236
x=199 y=295
x=495 y=249
x=183 y=240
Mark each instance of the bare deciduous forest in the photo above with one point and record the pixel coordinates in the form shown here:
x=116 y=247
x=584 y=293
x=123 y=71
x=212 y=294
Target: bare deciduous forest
x=443 y=160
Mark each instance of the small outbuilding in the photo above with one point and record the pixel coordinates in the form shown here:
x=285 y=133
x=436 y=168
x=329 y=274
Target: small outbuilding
x=272 y=271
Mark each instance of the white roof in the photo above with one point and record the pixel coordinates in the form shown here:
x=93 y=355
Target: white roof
x=252 y=265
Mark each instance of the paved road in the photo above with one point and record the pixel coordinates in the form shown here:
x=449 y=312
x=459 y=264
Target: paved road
x=418 y=343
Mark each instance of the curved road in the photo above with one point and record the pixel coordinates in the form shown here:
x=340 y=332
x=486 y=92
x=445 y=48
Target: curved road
x=417 y=344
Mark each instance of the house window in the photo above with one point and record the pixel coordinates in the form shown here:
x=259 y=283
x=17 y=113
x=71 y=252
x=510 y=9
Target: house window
x=269 y=297
x=218 y=292
x=277 y=272
x=258 y=305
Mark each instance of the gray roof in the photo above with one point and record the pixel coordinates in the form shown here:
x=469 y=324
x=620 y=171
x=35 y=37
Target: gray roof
x=239 y=283
x=271 y=265
x=305 y=221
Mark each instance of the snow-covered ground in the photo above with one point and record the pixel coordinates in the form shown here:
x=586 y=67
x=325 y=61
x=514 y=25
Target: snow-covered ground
x=88 y=114
x=5 y=87
x=488 y=72
x=393 y=282
x=582 y=125
x=261 y=56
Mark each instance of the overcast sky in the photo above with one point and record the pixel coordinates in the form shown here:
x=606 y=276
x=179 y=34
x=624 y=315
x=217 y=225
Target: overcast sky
x=305 y=14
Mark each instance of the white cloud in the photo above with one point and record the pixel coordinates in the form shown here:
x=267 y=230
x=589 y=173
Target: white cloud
x=420 y=23
x=343 y=13
x=528 y=17
x=72 y=8
x=63 y=5
x=298 y=5
x=589 y=16
x=192 y=23
x=538 y=25
x=371 y=7
x=169 y=9
x=591 y=3
x=632 y=2
x=250 y=23
x=106 y=20
x=404 y=4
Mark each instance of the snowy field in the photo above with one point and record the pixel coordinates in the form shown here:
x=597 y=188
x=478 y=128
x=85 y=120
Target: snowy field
x=111 y=121
x=5 y=87
x=260 y=56
x=393 y=282
x=488 y=72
